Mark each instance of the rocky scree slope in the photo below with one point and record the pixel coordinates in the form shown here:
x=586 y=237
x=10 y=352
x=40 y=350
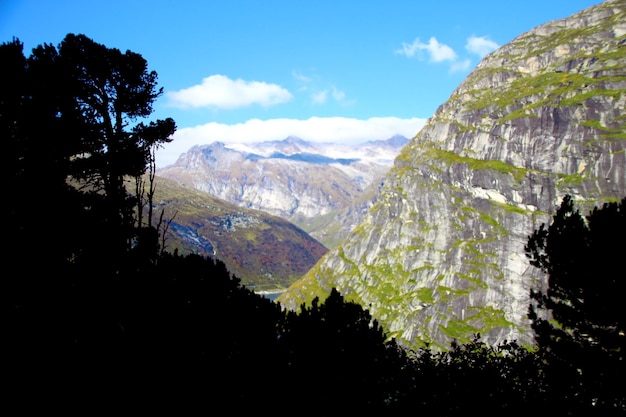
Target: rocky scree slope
x=440 y=256
x=323 y=188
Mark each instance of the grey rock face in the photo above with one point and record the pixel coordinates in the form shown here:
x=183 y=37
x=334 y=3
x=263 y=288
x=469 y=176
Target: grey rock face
x=440 y=256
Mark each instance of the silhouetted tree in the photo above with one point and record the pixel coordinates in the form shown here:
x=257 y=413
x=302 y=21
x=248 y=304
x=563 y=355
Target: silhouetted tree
x=39 y=147
x=63 y=118
x=45 y=221
x=150 y=138
x=71 y=117
x=583 y=334
x=337 y=353
x=112 y=90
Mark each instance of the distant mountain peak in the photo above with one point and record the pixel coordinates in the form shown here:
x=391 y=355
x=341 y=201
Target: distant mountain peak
x=394 y=141
x=291 y=178
x=295 y=140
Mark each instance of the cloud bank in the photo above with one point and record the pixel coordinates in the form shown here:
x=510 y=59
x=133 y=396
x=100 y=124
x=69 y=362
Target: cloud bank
x=315 y=129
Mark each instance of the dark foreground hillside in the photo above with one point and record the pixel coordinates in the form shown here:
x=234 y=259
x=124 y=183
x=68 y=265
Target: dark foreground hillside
x=183 y=334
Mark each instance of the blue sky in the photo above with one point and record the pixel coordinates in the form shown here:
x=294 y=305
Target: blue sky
x=337 y=71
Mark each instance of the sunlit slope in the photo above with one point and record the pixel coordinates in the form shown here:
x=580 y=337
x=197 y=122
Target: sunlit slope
x=264 y=251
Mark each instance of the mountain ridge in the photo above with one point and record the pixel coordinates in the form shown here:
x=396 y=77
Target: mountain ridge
x=314 y=185
x=440 y=256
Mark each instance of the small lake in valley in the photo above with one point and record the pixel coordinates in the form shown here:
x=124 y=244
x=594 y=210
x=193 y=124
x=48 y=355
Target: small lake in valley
x=272 y=295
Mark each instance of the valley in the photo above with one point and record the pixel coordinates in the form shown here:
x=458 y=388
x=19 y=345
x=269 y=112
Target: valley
x=429 y=233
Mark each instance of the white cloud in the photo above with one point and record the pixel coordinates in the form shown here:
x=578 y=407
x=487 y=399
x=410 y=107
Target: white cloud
x=316 y=129
x=459 y=66
x=480 y=45
x=319 y=97
x=221 y=92
x=319 y=90
x=438 y=52
x=338 y=95
x=300 y=77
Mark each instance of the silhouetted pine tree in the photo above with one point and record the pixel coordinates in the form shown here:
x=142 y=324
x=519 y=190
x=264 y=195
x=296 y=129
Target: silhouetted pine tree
x=584 y=336
x=338 y=358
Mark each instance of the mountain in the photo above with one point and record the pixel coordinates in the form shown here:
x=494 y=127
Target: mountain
x=323 y=188
x=264 y=251
x=440 y=255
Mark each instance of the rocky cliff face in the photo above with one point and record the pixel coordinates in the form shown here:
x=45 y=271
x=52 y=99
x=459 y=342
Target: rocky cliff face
x=323 y=188
x=440 y=255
